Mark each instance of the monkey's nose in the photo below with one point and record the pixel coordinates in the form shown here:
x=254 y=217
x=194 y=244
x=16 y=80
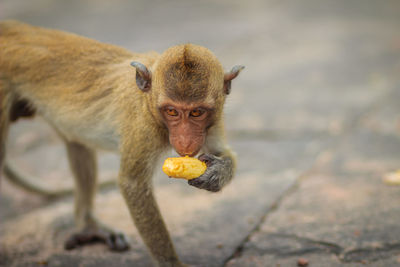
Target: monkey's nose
x=184 y=147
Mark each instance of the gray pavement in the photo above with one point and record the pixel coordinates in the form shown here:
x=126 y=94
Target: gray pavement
x=314 y=119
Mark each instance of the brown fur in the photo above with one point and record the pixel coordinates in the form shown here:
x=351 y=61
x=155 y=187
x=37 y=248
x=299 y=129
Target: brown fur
x=186 y=79
x=87 y=90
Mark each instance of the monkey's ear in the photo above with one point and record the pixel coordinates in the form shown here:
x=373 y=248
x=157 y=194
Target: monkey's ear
x=143 y=76
x=229 y=76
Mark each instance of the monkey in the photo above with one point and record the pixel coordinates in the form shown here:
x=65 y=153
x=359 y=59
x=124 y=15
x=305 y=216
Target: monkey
x=99 y=96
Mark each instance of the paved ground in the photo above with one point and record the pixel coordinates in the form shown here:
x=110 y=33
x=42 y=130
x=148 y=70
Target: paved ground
x=314 y=119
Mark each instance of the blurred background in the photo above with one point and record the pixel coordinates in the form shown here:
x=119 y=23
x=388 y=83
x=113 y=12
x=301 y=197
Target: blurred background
x=314 y=118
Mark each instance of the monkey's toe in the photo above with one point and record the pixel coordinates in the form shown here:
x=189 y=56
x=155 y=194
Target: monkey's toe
x=115 y=241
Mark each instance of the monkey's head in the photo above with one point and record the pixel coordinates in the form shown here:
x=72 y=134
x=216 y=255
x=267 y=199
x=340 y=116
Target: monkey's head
x=186 y=90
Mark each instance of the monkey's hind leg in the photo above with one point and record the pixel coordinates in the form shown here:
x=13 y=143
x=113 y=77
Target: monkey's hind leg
x=84 y=168
x=4 y=125
x=3 y=135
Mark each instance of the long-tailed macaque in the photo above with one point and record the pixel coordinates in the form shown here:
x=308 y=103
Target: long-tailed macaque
x=89 y=92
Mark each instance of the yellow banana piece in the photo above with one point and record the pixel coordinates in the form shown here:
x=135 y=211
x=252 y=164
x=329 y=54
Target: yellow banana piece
x=184 y=167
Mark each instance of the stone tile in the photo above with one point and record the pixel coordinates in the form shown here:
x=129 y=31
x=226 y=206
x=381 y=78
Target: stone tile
x=340 y=208
x=200 y=222
x=267 y=260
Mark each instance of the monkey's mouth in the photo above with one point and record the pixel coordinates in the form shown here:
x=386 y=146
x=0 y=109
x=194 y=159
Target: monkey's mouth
x=189 y=154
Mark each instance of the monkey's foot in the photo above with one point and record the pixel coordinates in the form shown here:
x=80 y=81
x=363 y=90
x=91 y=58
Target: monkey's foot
x=115 y=241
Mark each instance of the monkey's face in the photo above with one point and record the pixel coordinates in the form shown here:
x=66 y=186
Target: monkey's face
x=186 y=88
x=187 y=125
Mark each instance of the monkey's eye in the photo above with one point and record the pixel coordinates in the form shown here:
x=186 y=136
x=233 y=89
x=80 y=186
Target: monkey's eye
x=196 y=112
x=171 y=111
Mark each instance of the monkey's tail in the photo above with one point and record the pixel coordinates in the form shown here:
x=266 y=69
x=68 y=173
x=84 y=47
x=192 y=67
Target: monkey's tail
x=21 y=180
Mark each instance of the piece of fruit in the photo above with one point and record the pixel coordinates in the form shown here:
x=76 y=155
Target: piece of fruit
x=184 y=167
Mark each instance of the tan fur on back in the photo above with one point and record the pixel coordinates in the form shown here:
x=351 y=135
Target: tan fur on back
x=67 y=76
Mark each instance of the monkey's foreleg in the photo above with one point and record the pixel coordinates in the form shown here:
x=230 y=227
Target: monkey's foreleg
x=137 y=190
x=84 y=168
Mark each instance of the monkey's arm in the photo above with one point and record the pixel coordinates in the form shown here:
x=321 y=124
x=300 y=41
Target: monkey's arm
x=137 y=164
x=220 y=161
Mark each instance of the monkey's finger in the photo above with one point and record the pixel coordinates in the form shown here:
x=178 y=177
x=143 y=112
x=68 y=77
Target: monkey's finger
x=122 y=243
x=208 y=160
x=197 y=182
x=208 y=181
x=206 y=185
x=117 y=242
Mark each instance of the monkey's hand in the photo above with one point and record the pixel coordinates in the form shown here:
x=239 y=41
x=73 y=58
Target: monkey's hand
x=219 y=172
